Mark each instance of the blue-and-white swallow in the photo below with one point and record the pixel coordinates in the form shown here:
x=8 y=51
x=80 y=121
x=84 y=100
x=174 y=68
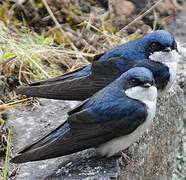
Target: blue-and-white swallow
x=110 y=121
x=156 y=51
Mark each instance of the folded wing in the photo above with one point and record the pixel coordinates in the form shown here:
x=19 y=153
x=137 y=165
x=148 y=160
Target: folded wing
x=80 y=88
x=83 y=131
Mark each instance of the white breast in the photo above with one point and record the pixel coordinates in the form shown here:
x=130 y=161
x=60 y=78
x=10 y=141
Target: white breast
x=170 y=59
x=117 y=144
x=172 y=70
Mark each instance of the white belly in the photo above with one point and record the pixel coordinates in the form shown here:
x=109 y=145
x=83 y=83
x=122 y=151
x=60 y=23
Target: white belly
x=117 y=144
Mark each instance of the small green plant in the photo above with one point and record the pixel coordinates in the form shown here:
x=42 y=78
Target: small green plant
x=7 y=156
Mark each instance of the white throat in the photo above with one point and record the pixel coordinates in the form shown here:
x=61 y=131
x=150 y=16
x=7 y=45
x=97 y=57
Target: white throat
x=142 y=94
x=165 y=57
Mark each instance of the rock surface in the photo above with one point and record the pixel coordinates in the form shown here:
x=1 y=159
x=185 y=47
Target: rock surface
x=154 y=154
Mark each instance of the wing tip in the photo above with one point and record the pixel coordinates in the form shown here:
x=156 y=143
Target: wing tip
x=21 y=89
x=28 y=91
x=17 y=160
x=25 y=157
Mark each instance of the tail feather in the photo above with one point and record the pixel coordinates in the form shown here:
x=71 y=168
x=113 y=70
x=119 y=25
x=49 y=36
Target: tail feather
x=41 y=153
x=53 y=135
x=78 y=85
x=64 y=145
x=77 y=89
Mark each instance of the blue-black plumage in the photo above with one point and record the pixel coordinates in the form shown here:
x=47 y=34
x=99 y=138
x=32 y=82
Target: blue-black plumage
x=110 y=120
x=156 y=51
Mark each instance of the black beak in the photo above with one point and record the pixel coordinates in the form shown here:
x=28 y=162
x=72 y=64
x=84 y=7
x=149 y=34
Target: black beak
x=167 y=49
x=146 y=85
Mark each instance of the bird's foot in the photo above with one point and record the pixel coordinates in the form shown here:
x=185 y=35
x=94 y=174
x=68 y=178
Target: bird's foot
x=124 y=156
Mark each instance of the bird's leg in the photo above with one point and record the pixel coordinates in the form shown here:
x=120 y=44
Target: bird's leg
x=124 y=156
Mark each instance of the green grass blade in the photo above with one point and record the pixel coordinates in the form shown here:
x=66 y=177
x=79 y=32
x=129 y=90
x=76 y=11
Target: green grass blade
x=7 y=157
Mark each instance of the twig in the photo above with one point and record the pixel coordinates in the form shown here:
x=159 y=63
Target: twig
x=60 y=28
x=16 y=102
x=95 y=28
x=74 y=53
x=58 y=25
x=20 y=68
x=155 y=20
x=3 y=107
x=39 y=67
x=141 y=16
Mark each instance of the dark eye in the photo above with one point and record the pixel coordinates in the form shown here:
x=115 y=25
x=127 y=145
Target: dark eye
x=135 y=81
x=154 y=45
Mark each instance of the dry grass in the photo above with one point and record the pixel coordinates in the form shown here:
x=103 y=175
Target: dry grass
x=28 y=56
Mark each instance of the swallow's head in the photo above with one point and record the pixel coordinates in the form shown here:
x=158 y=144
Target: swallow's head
x=161 y=46
x=139 y=84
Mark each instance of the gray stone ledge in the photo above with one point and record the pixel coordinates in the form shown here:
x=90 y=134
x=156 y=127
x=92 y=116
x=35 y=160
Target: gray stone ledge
x=154 y=154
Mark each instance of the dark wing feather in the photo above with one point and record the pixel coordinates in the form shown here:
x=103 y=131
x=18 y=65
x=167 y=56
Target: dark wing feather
x=47 y=138
x=43 y=140
x=85 y=132
x=69 y=90
x=54 y=80
x=102 y=73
